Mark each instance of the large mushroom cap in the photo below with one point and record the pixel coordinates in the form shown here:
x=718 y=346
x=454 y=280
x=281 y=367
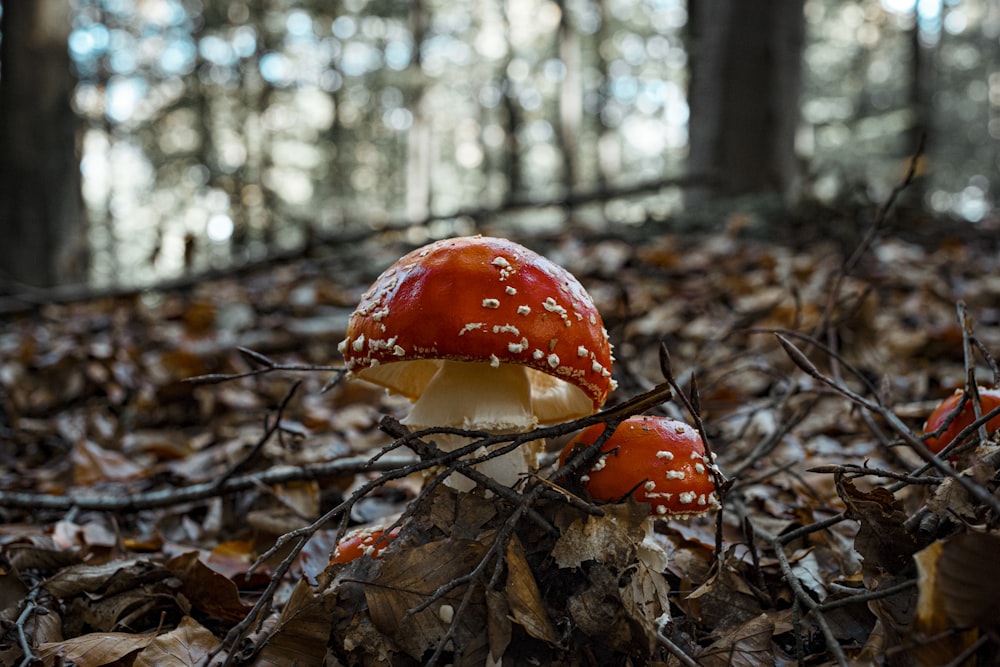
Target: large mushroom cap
x=486 y=300
x=656 y=460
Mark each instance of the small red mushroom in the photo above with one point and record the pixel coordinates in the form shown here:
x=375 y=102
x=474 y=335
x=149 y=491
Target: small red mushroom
x=483 y=334
x=989 y=399
x=362 y=542
x=656 y=460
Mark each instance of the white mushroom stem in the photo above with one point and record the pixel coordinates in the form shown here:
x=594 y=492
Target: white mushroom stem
x=478 y=397
x=649 y=550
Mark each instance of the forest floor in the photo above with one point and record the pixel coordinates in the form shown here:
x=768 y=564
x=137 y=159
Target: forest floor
x=150 y=520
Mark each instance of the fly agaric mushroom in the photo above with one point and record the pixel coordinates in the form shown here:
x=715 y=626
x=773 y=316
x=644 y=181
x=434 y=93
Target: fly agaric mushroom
x=483 y=334
x=367 y=541
x=655 y=460
x=989 y=399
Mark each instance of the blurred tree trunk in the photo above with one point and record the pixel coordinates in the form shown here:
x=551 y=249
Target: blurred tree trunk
x=570 y=117
x=41 y=211
x=744 y=96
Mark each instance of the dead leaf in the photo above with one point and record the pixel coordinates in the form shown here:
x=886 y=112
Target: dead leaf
x=95 y=649
x=302 y=630
x=523 y=596
x=408 y=578
x=499 y=628
x=883 y=541
x=189 y=644
x=967 y=579
x=107 y=579
x=597 y=611
x=645 y=602
x=747 y=645
x=933 y=643
x=611 y=538
x=93 y=464
x=725 y=600
x=208 y=590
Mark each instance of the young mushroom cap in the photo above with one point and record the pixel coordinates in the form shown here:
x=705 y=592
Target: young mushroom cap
x=989 y=399
x=656 y=460
x=362 y=542
x=489 y=302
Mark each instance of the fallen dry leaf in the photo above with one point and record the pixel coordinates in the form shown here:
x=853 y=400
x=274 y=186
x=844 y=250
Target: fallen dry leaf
x=208 y=591
x=189 y=644
x=409 y=578
x=301 y=633
x=95 y=649
x=524 y=598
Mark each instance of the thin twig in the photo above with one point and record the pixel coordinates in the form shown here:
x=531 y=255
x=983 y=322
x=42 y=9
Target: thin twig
x=269 y=430
x=137 y=502
x=31 y=608
x=868 y=596
x=264 y=365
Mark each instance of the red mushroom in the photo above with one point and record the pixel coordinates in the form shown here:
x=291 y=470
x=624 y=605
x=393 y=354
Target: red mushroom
x=362 y=542
x=482 y=334
x=989 y=399
x=656 y=460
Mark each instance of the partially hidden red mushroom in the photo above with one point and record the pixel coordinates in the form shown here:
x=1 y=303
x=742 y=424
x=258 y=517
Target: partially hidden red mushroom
x=655 y=460
x=989 y=399
x=483 y=334
x=362 y=542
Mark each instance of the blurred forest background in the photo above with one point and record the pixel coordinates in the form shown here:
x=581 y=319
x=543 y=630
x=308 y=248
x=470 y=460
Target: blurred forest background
x=142 y=140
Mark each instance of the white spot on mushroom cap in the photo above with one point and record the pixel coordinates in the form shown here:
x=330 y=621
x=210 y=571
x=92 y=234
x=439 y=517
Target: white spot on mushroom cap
x=517 y=348
x=471 y=326
x=675 y=474
x=359 y=343
x=553 y=360
x=494 y=361
x=581 y=351
x=687 y=497
x=665 y=454
x=524 y=310
x=552 y=306
x=510 y=290
x=491 y=303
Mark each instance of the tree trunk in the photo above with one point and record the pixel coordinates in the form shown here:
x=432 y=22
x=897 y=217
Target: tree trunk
x=42 y=240
x=744 y=95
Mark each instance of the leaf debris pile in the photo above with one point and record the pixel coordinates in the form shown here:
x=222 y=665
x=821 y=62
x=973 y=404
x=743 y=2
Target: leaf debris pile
x=146 y=516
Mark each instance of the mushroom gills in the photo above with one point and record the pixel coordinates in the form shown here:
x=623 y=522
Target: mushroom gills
x=476 y=396
x=552 y=400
